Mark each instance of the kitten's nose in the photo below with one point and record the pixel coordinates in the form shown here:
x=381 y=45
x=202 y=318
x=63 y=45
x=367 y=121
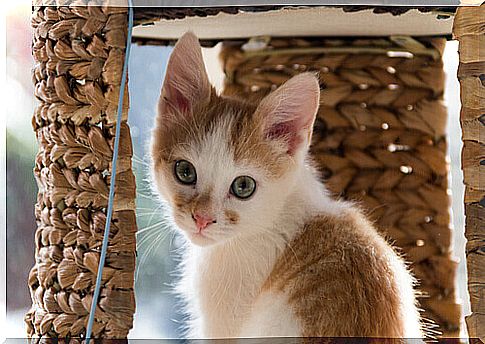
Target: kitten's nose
x=203 y=221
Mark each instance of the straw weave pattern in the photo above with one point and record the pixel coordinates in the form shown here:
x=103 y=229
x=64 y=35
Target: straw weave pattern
x=79 y=53
x=379 y=139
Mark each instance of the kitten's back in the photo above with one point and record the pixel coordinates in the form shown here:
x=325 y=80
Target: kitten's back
x=342 y=279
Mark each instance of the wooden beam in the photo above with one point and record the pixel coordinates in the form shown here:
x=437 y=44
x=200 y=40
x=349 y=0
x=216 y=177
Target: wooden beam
x=469 y=30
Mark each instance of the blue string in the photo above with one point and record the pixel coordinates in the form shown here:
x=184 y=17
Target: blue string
x=109 y=213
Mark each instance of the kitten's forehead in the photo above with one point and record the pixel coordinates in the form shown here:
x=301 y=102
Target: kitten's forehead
x=236 y=143
x=213 y=153
x=223 y=133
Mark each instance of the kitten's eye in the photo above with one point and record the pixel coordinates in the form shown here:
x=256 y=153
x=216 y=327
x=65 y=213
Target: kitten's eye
x=185 y=172
x=243 y=187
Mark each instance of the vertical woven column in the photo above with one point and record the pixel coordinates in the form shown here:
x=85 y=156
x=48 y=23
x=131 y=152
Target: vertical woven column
x=379 y=138
x=469 y=29
x=79 y=54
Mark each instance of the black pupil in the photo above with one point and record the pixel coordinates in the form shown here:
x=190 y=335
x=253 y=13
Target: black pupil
x=243 y=185
x=186 y=172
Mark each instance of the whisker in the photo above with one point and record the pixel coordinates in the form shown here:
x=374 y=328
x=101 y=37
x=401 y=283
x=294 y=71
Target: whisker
x=144 y=196
x=142 y=214
x=146 y=238
x=144 y=257
x=140 y=160
x=144 y=230
x=156 y=243
x=154 y=213
x=147 y=208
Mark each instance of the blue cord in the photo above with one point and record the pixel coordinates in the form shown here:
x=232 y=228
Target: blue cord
x=109 y=213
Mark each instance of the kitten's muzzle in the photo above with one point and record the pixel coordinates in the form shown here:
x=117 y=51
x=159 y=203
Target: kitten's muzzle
x=202 y=221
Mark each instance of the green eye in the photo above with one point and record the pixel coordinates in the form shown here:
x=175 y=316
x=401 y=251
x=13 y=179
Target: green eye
x=243 y=187
x=185 y=172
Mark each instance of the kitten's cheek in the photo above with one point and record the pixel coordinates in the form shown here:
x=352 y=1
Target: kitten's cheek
x=183 y=222
x=178 y=219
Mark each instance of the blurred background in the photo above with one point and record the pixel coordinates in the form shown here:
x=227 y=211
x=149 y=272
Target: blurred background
x=157 y=313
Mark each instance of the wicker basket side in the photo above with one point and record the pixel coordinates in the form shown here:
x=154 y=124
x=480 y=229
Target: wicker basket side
x=469 y=29
x=379 y=138
x=78 y=53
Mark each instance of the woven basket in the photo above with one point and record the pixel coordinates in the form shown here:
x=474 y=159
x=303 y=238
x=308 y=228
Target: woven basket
x=379 y=139
x=79 y=54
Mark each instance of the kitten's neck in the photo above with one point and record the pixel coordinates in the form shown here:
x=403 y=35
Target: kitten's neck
x=309 y=197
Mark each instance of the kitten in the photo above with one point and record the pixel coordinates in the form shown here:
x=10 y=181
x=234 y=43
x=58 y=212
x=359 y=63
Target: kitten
x=271 y=253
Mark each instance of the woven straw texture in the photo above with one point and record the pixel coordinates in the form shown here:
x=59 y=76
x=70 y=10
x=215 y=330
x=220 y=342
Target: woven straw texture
x=379 y=138
x=79 y=54
x=469 y=29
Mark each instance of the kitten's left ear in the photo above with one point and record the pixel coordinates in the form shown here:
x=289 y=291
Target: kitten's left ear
x=186 y=82
x=289 y=112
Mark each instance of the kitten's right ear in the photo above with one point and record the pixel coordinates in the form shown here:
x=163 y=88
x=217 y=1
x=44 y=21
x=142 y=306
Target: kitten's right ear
x=186 y=82
x=289 y=112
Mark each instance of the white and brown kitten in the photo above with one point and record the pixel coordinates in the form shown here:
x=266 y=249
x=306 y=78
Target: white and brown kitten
x=271 y=253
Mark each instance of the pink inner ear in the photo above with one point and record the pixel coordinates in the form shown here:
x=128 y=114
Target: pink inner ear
x=174 y=101
x=288 y=131
x=288 y=112
x=280 y=130
x=180 y=102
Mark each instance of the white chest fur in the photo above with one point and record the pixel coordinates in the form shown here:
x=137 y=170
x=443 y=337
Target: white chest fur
x=222 y=284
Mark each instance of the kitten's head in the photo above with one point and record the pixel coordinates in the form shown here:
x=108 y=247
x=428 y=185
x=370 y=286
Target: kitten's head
x=226 y=166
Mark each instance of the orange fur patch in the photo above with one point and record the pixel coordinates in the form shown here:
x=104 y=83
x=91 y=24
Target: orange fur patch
x=231 y=216
x=338 y=279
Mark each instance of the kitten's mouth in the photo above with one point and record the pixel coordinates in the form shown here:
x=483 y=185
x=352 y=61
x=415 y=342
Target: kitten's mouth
x=200 y=234
x=200 y=238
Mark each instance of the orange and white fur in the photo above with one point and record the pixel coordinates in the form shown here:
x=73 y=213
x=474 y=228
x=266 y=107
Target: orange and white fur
x=288 y=260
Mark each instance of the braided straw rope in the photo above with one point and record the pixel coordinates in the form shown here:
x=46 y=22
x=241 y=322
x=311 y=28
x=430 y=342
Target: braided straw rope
x=79 y=53
x=379 y=138
x=469 y=29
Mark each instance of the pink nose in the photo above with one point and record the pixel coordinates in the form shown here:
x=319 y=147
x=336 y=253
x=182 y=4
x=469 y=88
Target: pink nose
x=203 y=221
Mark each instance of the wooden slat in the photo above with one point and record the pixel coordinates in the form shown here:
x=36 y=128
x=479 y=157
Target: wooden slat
x=469 y=29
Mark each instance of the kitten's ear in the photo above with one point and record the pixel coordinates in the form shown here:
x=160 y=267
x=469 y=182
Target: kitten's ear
x=289 y=112
x=186 y=82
